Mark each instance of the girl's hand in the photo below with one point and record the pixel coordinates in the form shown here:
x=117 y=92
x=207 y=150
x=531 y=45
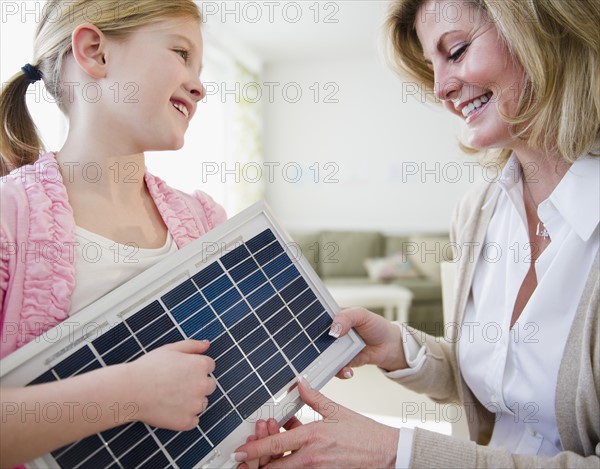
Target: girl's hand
x=384 y=340
x=170 y=384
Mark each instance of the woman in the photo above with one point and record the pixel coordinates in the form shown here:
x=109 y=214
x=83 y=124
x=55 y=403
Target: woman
x=524 y=78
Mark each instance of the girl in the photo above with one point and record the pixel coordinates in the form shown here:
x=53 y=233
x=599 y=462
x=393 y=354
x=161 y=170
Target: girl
x=155 y=49
x=523 y=76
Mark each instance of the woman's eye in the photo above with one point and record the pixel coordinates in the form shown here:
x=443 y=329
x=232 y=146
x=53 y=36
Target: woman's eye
x=183 y=53
x=458 y=54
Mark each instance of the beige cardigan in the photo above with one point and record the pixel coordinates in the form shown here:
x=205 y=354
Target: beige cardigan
x=578 y=388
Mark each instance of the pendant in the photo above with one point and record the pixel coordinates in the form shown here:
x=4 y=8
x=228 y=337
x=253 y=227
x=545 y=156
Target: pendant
x=541 y=231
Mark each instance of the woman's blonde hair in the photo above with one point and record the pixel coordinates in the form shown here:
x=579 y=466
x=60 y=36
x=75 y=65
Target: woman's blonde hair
x=20 y=143
x=556 y=41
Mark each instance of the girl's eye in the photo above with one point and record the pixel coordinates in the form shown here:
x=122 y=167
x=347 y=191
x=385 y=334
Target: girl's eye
x=459 y=53
x=183 y=53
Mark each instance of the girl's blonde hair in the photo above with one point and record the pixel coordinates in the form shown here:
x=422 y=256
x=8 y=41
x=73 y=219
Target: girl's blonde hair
x=556 y=42
x=20 y=143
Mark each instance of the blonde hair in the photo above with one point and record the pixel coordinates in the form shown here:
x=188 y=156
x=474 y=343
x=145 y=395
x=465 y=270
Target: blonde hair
x=20 y=143
x=556 y=42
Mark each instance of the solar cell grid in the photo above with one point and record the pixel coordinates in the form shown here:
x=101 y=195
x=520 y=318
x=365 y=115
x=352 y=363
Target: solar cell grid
x=265 y=324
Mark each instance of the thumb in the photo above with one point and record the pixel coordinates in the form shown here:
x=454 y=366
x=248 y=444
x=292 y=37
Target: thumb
x=317 y=401
x=189 y=346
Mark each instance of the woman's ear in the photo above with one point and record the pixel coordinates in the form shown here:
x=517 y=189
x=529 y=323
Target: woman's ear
x=89 y=49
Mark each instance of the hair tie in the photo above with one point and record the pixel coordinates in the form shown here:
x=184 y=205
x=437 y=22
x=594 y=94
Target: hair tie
x=32 y=73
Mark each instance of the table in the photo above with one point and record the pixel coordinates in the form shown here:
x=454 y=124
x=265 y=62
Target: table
x=388 y=297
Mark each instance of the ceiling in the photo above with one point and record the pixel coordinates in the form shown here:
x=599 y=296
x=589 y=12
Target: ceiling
x=282 y=30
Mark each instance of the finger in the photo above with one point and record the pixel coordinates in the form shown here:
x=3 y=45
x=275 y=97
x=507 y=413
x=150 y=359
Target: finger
x=346 y=319
x=275 y=444
x=273 y=428
x=250 y=464
x=189 y=346
x=293 y=422
x=262 y=431
x=345 y=373
x=317 y=401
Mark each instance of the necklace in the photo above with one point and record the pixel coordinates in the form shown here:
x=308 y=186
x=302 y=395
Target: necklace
x=541 y=230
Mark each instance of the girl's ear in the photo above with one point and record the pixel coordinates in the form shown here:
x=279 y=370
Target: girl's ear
x=89 y=49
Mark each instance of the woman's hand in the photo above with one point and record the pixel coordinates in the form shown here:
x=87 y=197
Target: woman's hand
x=263 y=429
x=343 y=439
x=384 y=341
x=170 y=384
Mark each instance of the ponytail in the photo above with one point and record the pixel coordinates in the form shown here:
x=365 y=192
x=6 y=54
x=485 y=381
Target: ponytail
x=20 y=143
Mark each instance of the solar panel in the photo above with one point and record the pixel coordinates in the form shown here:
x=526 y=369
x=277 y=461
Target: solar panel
x=245 y=287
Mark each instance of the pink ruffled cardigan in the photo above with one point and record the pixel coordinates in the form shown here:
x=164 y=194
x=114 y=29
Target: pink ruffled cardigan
x=37 y=238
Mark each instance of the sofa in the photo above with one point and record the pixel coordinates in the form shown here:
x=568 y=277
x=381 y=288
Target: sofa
x=347 y=257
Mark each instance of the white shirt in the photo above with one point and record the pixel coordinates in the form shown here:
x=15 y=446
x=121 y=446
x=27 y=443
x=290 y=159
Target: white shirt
x=513 y=372
x=101 y=265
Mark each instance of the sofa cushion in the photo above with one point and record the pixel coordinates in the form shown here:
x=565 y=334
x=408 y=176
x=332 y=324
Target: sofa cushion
x=342 y=253
x=425 y=252
x=307 y=244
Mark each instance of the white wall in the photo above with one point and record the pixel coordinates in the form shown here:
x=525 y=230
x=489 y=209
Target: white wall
x=375 y=137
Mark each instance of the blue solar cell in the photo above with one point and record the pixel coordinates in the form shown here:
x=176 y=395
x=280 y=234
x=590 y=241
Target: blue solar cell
x=227 y=361
x=278 y=321
x=219 y=346
x=159 y=460
x=236 y=313
x=260 y=240
x=324 y=341
x=265 y=311
x=244 y=389
x=122 y=443
x=171 y=337
x=47 y=377
x=224 y=428
x=235 y=257
x=195 y=454
x=179 y=293
x=268 y=253
x=214 y=413
x=100 y=459
x=164 y=435
x=181 y=442
x=209 y=332
x=207 y=275
x=305 y=358
x=149 y=334
x=139 y=453
x=215 y=396
x=244 y=327
x=235 y=375
x=123 y=352
x=243 y=270
x=256 y=400
x=261 y=295
x=92 y=366
x=215 y=289
x=111 y=338
x=277 y=265
x=281 y=379
x=287 y=333
x=75 y=362
x=311 y=313
x=270 y=368
x=198 y=321
x=296 y=346
x=251 y=342
x=145 y=316
x=252 y=282
x=226 y=301
x=113 y=432
x=302 y=301
x=188 y=308
x=262 y=354
x=78 y=452
x=323 y=323
x=285 y=277
x=293 y=289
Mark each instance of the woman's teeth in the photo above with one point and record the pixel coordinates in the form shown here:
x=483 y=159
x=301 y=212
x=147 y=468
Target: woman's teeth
x=476 y=104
